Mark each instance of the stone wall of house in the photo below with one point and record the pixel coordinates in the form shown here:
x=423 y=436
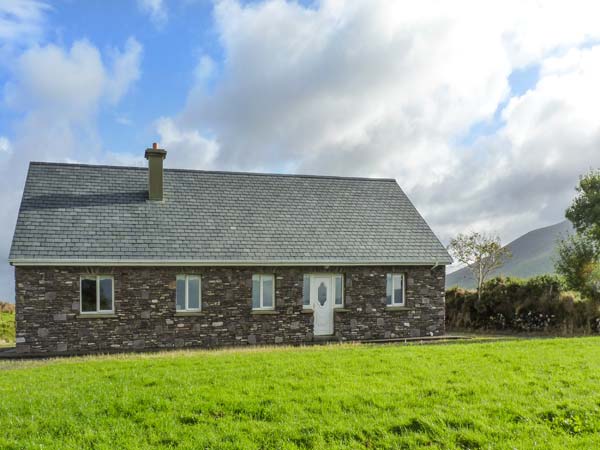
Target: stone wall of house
x=49 y=320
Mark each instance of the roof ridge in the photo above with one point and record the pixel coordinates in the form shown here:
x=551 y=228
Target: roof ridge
x=219 y=172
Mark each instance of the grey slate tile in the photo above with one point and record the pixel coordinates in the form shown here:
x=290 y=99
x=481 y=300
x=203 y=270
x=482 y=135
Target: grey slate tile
x=71 y=211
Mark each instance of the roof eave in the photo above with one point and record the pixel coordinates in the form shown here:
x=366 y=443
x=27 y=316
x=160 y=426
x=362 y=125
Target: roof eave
x=205 y=263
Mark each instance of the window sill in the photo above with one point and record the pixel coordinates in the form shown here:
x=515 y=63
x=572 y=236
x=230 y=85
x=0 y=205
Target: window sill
x=342 y=310
x=307 y=311
x=398 y=308
x=96 y=316
x=263 y=312
x=188 y=313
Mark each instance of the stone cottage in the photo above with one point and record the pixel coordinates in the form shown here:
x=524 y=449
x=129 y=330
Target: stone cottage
x=125 y=258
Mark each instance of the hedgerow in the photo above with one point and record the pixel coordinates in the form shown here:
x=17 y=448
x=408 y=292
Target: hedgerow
x=7 y=323
x=539 y=304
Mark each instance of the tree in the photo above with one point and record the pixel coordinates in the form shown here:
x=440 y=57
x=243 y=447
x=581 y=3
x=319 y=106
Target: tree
x=481 y=253
x=584 y=212
x=578 y=258
x=577 y=261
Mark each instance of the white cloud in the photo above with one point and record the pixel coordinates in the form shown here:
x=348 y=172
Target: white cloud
x=21 y=20
x=533 y=29
x=122 y=159
x=125 y=70
x=156 y=10
x=123 y=120
x=54 y=81
x=22 y=24
x=532 y=163
x=5 y=146
x=70 y=83
x=385 y=88
x=319 y=87
x=187 y=148
x=59 y=92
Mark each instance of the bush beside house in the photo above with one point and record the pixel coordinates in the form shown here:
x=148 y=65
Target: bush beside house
x=7 y=323
x=539 y=304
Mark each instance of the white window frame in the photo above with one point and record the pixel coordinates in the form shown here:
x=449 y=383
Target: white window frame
x=97 y=279
x=187 y=279
x=261 y=276
x=403 y=281
x=333 y=288
x=304 y=289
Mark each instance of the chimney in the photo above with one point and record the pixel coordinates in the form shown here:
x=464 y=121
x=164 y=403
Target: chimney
x=155 y=157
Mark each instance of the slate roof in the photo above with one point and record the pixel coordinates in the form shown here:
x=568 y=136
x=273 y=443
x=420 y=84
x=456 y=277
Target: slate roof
x=73 y=212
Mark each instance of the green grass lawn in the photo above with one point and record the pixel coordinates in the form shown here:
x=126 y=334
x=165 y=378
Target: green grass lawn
x=509 y=395
x=7 y=328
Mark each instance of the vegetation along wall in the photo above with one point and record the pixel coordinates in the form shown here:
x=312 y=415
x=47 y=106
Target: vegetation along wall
x=7 y=323
x=539 y=304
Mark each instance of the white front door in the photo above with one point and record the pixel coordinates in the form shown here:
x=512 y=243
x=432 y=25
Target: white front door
x=322 y=303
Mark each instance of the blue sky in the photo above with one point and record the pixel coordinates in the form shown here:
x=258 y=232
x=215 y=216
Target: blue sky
x=519 y=81
x=486 y=114
x=168 y=63
x=171 y=51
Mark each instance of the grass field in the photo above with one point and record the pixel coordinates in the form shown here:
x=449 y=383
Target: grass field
x=7 y=328
x=507 y=395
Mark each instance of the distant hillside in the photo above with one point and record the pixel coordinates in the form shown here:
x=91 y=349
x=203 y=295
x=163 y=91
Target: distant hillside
x=533 y=254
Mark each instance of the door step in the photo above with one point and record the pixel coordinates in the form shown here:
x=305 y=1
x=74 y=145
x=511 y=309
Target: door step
x=327 y=338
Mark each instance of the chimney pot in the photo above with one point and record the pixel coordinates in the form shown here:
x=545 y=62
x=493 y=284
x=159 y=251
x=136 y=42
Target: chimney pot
x=155 y=157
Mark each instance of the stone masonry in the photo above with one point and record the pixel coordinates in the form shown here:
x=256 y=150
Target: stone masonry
x=49 y=322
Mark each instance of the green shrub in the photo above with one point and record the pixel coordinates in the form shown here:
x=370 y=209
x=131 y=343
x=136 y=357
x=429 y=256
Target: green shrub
x=537 y=304
x=7 y=323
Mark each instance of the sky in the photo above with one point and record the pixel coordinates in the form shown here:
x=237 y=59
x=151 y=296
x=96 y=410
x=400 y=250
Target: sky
x=486 y=113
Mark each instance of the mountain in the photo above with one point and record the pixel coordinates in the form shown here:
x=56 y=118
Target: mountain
x=532 y=254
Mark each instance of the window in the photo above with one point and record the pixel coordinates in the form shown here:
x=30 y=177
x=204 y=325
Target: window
x=338 y=290
x=97 y=295
x=395 y=289
x=263 y=291
x=189 y=297
x=306 y=292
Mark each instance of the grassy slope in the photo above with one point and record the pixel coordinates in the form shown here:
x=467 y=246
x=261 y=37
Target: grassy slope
x=521 y=394
x=7 y=328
